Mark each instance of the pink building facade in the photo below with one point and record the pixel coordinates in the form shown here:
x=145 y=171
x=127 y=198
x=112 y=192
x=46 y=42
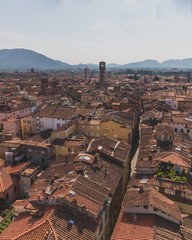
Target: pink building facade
x=19 y=113
x=13 y=127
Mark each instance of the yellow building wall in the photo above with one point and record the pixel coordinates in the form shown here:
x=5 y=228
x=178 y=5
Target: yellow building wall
x=28 y=127
x=63 y=133
x=62 y=150
x=91 y=98
x=111 y=129
x=181 y=168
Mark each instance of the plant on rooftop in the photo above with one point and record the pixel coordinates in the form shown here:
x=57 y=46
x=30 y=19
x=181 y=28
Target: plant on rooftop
x=159 y=174
x=165 y=170
x=6 y=220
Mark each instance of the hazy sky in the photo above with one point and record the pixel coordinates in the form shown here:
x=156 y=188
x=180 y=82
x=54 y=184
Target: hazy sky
x=87 y=31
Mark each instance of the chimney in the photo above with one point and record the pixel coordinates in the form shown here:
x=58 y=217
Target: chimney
x=39 y=198
x=141 y=190
x=96 y=158
x=106 y=172
x=150 y=158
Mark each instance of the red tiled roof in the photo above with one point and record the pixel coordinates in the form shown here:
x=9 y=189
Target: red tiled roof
x=25 y=223
x=54 y=224
x=6 y=181
x=15 y=169
x=175 y=159
x=150 y=196
x=137 y=227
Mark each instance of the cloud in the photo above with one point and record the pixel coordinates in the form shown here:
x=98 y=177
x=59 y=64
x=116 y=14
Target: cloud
x=10 y=35
x=99 y=27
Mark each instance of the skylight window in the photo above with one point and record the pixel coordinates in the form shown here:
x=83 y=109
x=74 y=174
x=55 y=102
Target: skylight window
x=72 y=193
x=71 y=222
x=144 y=180
x=85 y=158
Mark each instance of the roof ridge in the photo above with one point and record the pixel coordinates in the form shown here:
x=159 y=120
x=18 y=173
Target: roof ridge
x=94 y=182
x=49 y=220
x=88 y=197
x=90 y=188
x=51 y=211
x=30 y=229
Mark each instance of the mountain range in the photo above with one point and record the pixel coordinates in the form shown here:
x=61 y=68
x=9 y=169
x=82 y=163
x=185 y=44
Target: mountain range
x=23 y=59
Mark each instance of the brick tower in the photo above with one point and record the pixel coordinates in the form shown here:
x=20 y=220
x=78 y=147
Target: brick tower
x=102 y=74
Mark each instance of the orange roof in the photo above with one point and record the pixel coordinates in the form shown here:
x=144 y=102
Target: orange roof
x=14 y=169
x=24 y=223
x=6 y=181
x=137 y=227
x=175 y=159
x=2 y=162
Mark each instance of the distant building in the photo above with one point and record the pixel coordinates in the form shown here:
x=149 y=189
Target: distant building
x=32 y=70
x=176 y=77
x=87 y=74
x=102 y=74
x=44 y=86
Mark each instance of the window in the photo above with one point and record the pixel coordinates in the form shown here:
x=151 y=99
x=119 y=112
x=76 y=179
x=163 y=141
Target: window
x=92 y=134
x=188 y=131
x=83 y=126
x=15 y=189
x=91 y=126
x=155 y=209
x=175 y=129
x=7 y=196
x=69 y=149
x=97 y=135
x=145 y=206
x=115 y=135
x=43 y=160
x=58 y=125
x=59 y=148
x=162 y=137
x=98 y=127
x=181 y=129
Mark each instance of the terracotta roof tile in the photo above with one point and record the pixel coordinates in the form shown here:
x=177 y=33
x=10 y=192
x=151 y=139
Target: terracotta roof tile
x=175 y=159
x=128 y=229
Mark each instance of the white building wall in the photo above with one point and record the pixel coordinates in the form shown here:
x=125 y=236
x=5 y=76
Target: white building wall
x=59 y=121
x=46 y=123
x=49 y=123
x=173 y=104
